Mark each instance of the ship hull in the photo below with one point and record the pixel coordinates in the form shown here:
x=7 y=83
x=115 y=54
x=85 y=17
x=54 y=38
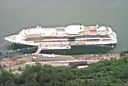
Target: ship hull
x=75 y=50
x=72 y=39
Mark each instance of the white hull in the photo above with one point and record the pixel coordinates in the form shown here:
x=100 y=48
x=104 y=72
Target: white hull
x=50 y=39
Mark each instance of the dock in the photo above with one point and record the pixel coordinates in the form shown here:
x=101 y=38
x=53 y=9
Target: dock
x=71 y=61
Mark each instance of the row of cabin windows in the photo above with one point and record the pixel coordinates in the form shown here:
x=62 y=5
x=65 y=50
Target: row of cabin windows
x=69 y=40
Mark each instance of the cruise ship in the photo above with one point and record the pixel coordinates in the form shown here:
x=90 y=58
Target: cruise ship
x=75 y=38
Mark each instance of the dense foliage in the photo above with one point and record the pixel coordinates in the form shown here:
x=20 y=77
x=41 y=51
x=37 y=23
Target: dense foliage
x=106 y=73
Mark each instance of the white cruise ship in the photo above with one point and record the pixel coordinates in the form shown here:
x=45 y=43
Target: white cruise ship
x=65 y=38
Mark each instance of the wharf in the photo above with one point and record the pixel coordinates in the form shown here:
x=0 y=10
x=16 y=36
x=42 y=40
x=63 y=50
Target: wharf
x=72 y=61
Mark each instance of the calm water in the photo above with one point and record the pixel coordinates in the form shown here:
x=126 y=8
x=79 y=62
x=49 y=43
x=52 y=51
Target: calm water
x=16 y=14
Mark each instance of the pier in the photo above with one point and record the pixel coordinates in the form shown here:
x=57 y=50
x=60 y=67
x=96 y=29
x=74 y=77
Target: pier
x=72 y=61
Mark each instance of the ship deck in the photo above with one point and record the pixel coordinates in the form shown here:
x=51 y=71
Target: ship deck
x=65 y=37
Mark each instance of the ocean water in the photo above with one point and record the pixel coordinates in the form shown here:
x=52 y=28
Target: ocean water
x=17 y=14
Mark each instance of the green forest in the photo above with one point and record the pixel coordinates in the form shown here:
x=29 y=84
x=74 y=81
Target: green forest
x=105 y=73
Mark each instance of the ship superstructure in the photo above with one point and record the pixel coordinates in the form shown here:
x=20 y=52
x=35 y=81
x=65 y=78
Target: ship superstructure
x=65 y=37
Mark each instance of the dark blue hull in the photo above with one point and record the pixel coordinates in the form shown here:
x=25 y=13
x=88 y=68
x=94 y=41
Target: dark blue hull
x=88 y=49
x=83 y=49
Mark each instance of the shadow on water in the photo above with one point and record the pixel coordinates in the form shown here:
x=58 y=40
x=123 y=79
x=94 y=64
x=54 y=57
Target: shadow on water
x=24 y=49
x=16 y=49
